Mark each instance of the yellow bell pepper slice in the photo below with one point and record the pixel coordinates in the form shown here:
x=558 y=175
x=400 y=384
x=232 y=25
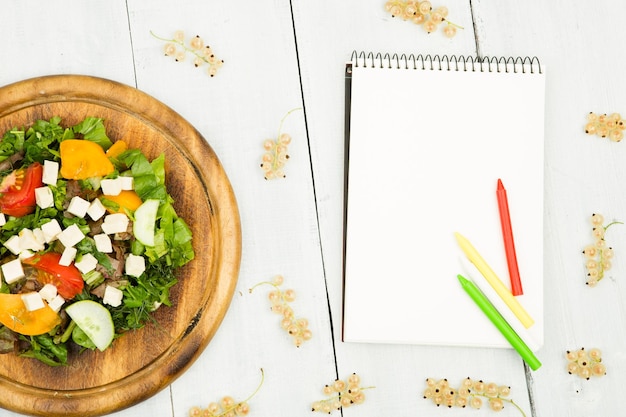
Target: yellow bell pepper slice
x=15 y=316
x=127 y=199
x=116 y=149
x=82 y=159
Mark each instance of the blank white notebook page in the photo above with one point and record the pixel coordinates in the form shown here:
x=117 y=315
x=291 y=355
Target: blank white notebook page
x=426 y=149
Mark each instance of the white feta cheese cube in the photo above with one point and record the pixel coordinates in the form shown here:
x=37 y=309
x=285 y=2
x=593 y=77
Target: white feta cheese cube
x=39 y=236
x=115 y=223
x=33 y=301
x=44 y=197
x=28 y=241
x=51 y=230
x=12 y=271
x=13 y=244
x=111 y=186
x=25 y=254
x=112 y=296
x=78 y=206
x=56 y=303
x=103 y=243
x=128 y=183
x=96 y=209
x=3 y=220
x=50 y=172
x=48 y=292
x=135 y=265
x=86 y=263
x=68 y=256
x=71 y=236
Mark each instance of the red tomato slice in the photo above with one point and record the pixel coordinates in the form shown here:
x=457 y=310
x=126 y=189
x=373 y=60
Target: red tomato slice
x=67 y=279
x=17 y=190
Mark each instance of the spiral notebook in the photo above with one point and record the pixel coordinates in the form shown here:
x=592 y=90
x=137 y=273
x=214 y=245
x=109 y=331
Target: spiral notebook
x=427 y=138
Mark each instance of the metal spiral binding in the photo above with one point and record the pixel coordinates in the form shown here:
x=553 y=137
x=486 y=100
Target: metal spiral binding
x=447 y=62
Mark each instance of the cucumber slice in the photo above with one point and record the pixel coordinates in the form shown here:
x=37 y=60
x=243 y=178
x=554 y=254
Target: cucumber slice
x=145 y=220
x=93 y=319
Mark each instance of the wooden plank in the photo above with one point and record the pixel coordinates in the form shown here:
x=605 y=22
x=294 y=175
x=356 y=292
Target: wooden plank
x=583 y=174
x=236 y=111
x=397 y=371
x=69 y=37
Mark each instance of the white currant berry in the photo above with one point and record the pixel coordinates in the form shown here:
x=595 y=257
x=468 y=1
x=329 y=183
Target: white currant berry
x=595 y=354
x=597 y=219
x=290 y=295
x=430 y=26
x=496 y=404
x=616 y=135
x=476 y=402
x=590 y=128
x=491 y=389
x=436 y=17
x=196 y=42
x=598 y=369
x=169 y=49
x=449 y=31
x=424 y=7
x=442 y=10
x=418 y=18
x=179 y=36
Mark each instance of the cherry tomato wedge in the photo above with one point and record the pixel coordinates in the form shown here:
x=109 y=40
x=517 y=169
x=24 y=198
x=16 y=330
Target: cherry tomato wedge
x=17 y=190
x=67 y=279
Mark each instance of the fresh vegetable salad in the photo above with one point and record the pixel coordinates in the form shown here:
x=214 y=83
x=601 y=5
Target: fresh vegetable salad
x=89 y=239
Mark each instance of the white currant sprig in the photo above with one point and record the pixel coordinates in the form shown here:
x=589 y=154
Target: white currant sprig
x=227 y=406
x=297 y=328
x=203 y=54
x=422 y=13
x=275 y=156
x=341 y=394
x=585 y=363
x=470 y=393
x=598 y=255
x=603 y=125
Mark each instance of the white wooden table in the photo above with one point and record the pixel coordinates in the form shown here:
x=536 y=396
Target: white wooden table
x=281 y=55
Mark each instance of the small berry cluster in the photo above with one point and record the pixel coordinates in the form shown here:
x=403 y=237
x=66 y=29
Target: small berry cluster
x=422 y=13
x=611 y=126
x=296 y=327
x=597 y=255
x=275 y=155
x=471 y=392
x=227 y=406
x=203 y=54
x=585 y=363
x=341 y=394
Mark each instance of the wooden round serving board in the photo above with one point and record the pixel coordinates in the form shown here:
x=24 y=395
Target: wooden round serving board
x=140 y=363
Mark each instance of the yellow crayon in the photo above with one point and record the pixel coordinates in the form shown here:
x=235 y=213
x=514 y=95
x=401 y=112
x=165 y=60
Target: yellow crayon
x=491 y=277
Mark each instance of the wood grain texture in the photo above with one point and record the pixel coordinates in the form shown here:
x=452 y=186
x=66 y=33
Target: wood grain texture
x=142 y=362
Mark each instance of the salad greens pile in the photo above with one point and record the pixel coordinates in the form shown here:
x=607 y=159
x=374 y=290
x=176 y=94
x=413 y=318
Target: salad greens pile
x=22 y=147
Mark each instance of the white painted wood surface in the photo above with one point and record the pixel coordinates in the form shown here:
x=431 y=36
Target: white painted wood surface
x=281 y=55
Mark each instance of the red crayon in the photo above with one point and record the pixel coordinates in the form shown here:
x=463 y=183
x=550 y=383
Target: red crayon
x=509 y=243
